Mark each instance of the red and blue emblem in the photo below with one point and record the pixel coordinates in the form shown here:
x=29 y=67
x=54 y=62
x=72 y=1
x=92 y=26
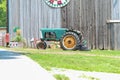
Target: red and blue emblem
x=57 y=3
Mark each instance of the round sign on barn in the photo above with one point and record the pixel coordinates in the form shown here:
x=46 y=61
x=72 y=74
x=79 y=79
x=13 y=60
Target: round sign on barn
x=57 y=3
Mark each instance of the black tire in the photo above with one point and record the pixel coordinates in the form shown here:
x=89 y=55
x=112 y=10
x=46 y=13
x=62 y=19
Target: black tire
x=70 y=41
x=41 y=45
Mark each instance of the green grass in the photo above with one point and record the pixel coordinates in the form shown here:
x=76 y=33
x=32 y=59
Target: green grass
x=95 y=60
x=78 y=62
x=61 y=77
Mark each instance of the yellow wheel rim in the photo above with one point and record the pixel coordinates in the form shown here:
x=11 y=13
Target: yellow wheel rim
x=69 y=41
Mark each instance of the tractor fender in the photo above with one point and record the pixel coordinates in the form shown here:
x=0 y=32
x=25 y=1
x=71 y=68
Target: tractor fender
x=76 y=32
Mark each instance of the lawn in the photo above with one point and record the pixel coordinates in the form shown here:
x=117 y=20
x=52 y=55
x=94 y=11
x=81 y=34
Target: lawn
x=95 y=60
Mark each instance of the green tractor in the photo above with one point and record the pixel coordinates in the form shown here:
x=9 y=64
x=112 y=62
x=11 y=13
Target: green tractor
x=69 y=39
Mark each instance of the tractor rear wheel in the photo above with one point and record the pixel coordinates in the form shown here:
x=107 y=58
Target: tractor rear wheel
x=70 y=41
x=41 y=45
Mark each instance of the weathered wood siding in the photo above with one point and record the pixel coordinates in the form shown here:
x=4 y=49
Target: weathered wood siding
x=30 y=16
x=89 y=16
x=114 y=35
x=2 y=34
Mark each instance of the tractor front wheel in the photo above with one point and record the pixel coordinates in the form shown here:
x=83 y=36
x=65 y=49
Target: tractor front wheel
x=70 y=41
x=41 y=45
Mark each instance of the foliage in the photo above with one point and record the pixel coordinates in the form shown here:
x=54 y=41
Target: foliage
x=18 y=38
x=61 y=77
x=3 y=5
x=3 y=15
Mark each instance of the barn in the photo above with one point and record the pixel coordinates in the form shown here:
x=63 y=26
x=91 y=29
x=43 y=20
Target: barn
x=98 y=20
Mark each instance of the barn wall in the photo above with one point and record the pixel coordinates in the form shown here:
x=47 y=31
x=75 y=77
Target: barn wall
x=30 y=16
x=89 y=16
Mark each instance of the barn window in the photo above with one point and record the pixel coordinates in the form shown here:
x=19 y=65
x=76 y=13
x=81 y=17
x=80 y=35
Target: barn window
x=50 y=35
